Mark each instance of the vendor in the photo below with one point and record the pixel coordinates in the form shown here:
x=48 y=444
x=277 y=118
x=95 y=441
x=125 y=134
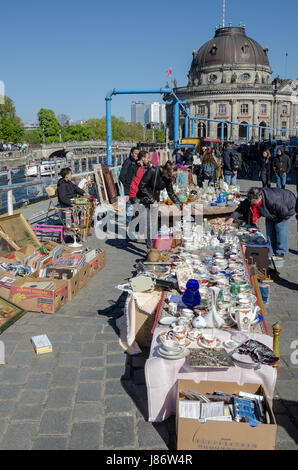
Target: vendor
x=67 y=190
x=155 y=180
x=277 y=206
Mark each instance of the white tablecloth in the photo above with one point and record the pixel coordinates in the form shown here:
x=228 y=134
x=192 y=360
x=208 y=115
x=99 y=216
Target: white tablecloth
x=162 y=375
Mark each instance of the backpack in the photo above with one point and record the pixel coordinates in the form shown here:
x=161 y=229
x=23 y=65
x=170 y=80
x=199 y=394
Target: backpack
x=208 y=170
x=236 y=160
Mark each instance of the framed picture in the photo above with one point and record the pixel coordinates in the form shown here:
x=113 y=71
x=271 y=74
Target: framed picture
x=7 y=246
x=100 y=182
x=19 y=230
x=9 y=313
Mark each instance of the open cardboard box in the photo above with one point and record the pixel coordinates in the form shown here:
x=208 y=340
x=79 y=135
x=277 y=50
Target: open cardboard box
x=216 y=435
x=257 y=255
x=5 y=286
x=97 y=263
x=35 y=299
x=22 y=253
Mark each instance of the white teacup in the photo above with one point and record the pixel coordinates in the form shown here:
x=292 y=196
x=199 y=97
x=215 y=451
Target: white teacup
x=171 y=345
x=208 y=339
x=187 y=313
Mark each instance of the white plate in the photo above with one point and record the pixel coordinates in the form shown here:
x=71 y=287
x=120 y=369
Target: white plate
x=181 y=355
x=167 y=320
x=207 y=346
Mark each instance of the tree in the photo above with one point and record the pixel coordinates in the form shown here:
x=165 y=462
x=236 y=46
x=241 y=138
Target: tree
x=49 y=125
x=63 y=120
x=76 y=132
x=33 y=137
x=10 y=124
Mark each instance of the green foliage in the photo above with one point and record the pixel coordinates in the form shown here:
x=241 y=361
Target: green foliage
x=77 y=133
x=48 y=122
x=33 y=137
x=10 y=124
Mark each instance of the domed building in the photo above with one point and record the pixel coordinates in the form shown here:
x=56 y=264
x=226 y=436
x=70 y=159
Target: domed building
x=230 y=80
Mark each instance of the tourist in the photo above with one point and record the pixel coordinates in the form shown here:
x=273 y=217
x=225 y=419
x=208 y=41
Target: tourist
x=208 y=168
x=188 y=158
x=281 y=166
x=277 y=206
x=231 y=164
x=126 y=181
x=155 y=180
x=67 y=190
x=266 y=169
x=143 y=164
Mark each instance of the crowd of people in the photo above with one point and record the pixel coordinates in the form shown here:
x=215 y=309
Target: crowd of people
x=143 y=183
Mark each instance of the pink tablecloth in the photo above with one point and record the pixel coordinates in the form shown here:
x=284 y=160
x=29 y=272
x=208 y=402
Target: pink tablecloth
x=162 y=375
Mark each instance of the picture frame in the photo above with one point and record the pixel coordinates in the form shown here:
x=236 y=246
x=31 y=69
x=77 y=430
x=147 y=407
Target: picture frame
x=9 y=313
x=19 y=230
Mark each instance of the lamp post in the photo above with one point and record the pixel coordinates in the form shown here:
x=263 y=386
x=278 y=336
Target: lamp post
x=43 y=136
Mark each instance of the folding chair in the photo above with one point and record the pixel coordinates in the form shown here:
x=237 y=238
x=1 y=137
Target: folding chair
x=51 y=193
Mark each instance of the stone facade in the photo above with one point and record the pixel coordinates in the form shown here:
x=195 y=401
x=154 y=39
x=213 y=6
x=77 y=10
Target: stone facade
x=230 y=80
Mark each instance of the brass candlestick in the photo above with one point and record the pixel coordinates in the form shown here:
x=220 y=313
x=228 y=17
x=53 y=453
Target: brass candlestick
x=276 y=333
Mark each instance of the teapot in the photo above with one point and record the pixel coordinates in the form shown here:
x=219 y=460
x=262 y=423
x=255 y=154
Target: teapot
x=244 y=317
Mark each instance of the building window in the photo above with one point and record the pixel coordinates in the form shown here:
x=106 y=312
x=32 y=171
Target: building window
x=222 y=109
x=284 y=109
x=246 y=77
x=213 y=50
x=244 y=109
x=213 y=78
x=284 y=125
x=263 y=108
x=201 y=109
x=245 y=48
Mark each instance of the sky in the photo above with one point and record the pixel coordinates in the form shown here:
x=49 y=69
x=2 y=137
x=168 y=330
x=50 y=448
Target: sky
x=67 y=54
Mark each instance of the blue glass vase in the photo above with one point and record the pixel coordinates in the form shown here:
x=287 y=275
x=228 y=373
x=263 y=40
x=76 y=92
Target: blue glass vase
x=191 y=297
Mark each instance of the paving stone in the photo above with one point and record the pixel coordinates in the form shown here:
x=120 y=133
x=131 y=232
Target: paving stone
x=93 y=363
x=14 y=375
x=65 y=376
x=118 y=404
x=286 y=430
x=88 y=412
x=18 y=436
x=60 y=398
x=70 y=347
x=55 y=422
x=69 y=359
x=3 y=427
x=91 y=374
x=115 y=371
x=33 y=396
x=6 y=408
x=27 y=412
x=11 y=391
x=117 y=387
x=90 y=391
x=85 y=436
x=117 y=358
x=43 y=364
x=38 y=381
x=50 y=443
x=83 y=338
x=114 y=348
x=119 y=432
x=91 y=350
x=287 y=389
x=149 y=436
x=286 y=446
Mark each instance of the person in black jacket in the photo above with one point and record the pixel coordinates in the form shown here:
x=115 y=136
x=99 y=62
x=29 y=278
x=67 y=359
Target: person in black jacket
x=67 y=190
x=281 y=166
x=266 y=169
x=229 y=172
x=126 y=178
x=155 y=180
x=277 y=206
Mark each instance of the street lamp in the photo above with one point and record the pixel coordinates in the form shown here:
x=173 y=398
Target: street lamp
x=43 y=136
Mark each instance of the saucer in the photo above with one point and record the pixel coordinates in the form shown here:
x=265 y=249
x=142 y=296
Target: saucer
x=183 y=353
x=211 y=346
x=167 y=320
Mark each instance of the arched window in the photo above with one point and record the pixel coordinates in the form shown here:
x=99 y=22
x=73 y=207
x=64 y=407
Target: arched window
x=219 y=131
x=242 y=130
x=201 y=129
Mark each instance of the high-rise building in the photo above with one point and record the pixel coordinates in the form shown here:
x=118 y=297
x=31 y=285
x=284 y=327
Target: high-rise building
x=162 y=113
x=138 y=109
x=154 y=113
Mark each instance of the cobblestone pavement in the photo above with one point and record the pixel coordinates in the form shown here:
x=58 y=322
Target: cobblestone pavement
x=88 y=394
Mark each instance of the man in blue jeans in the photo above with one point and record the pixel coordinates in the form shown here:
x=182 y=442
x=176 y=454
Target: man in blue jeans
x=277 y=206
x=281 y=166
x=230 y=173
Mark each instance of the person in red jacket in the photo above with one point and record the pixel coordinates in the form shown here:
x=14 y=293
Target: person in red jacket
x=143 y=163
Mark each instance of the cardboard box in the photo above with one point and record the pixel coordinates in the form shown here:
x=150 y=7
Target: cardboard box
x=216 y=435
x=257 y=255
x=35 y=299
x=73 y=284
x=84 y=275
x=97 y=263
x=6 y=282
x=41 y=344
x=22 y=253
